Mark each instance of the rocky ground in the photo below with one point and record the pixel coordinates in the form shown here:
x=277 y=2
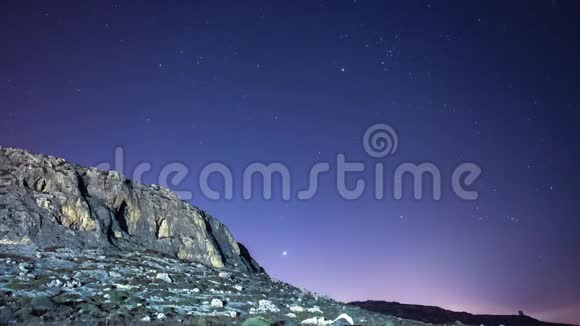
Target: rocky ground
x=60 y=285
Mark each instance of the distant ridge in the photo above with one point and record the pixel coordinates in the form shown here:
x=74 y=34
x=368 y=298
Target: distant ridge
x=436 y=315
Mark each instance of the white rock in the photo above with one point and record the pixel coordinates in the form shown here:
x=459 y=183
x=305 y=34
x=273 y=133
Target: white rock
x=318 y=321
x=114 y=274
x=224 y=275
x=217 y=303
x=267 y=306
x=342 y=318
x=232 y=314
x=296 y=309
x=146 y=319
x=291 y=315
x=314 y=310
x=55 y=284
x=238 y=287
x=124 y=286
x=164 y=277
x=196 y=290
x=161 y=316
x=72 y=284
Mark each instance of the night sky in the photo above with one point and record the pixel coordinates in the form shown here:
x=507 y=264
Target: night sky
x=297 y=82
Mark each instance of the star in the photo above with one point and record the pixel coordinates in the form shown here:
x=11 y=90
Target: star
x=284 y=253
x=513 y=219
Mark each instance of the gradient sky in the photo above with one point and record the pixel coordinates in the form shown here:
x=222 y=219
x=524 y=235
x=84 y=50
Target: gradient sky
x=490 y=82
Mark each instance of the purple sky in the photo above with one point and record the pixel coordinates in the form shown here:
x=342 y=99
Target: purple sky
x=298 y=82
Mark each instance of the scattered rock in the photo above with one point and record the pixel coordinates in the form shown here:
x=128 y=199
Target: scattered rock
x=55 y=283
x=314 y=310
x=232 y=314
x=317 y=321
x=22 y=268
x=266 y=306
x=114 y=274
x=164 y=277
x=161 y=316
x=217 y=303
x=342 y=320
x=296 y=309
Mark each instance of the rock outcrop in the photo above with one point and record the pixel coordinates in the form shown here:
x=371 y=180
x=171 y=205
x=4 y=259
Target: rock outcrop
x=49 y=202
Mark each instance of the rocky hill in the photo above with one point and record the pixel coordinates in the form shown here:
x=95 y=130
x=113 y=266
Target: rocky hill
x=79 y=245
x=48 y=202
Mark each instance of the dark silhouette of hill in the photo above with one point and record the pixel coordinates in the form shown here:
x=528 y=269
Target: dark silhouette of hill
x=436 y=315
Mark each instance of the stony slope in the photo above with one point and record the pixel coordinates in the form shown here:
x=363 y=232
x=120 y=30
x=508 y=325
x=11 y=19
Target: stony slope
x=62 y=285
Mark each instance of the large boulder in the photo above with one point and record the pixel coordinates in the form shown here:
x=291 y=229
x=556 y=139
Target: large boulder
x=49 y=202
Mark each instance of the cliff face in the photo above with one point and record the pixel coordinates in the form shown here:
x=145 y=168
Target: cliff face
x=49 y=202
